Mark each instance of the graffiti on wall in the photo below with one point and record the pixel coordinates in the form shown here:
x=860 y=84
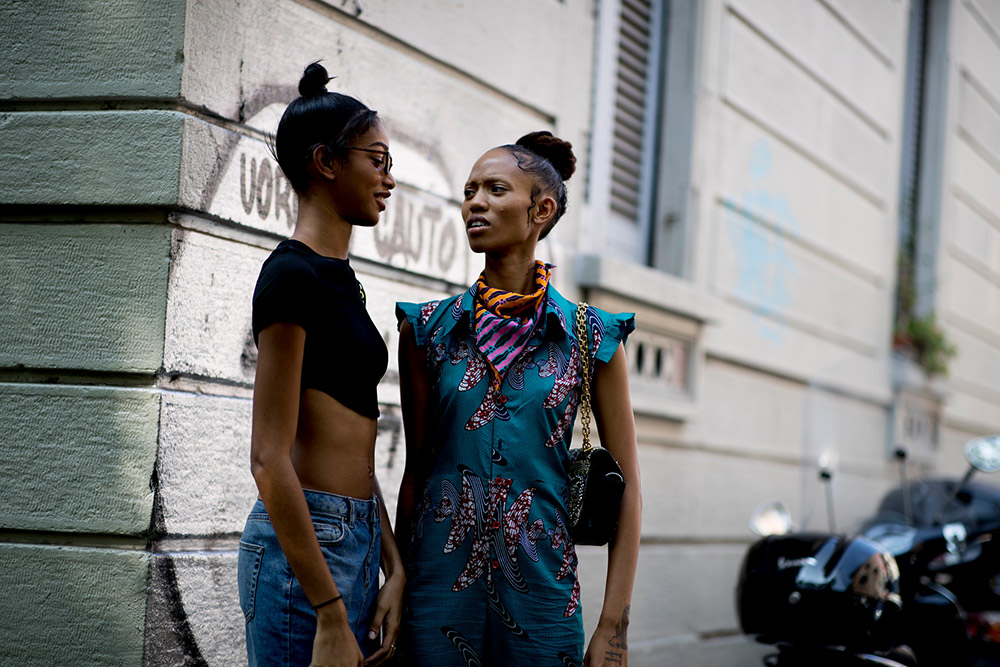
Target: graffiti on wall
x=420 y=232
x=764 y=265
x=261 y=184
x=247 y=187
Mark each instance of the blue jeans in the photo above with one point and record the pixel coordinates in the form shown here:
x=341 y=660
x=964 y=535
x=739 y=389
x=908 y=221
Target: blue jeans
x=280 y=623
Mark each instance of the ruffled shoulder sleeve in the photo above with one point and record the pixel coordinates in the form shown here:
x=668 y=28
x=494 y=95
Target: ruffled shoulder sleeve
x=608 y=331
x=414 y=314
x=423 y=317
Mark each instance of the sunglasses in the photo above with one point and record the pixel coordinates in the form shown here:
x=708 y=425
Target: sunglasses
x=386 y=158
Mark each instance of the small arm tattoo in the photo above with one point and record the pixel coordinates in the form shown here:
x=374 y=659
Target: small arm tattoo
x=620 y=640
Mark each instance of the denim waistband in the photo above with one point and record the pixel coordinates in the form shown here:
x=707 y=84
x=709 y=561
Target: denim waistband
x=330 y=504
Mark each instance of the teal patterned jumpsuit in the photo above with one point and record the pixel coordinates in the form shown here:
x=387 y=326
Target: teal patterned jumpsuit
x=491 y=569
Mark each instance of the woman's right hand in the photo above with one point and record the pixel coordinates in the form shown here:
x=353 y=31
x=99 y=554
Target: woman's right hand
x=335 y=644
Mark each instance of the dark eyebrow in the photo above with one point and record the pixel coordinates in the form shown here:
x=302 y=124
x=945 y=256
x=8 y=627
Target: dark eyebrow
x=489 y=180
x=379 y=143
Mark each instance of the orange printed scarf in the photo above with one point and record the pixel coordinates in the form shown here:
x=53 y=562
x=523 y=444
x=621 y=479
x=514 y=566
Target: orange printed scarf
x=504 y=320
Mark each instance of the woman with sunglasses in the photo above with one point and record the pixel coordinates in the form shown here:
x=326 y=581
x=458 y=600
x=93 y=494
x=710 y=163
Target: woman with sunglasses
x=310 y=553
x=490 y=383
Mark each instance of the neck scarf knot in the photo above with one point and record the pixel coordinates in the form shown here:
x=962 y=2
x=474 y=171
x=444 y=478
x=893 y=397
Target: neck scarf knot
x=505 y=320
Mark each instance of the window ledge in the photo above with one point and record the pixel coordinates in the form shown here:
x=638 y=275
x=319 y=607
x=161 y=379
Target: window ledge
x=916 y=410
x=664 y=359
x=645 y=285
x=908 y=375
x=653 y=403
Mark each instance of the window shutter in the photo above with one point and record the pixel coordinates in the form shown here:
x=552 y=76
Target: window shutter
x=630 y=107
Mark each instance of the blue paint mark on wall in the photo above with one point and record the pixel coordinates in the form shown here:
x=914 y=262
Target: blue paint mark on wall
x=765 y=267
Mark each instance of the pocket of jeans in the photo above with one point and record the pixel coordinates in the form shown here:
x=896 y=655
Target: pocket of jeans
x=247 y=572
x=329 y=531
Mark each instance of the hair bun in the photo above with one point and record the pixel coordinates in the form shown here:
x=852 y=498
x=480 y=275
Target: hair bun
x=313 y=81
x=553 y=149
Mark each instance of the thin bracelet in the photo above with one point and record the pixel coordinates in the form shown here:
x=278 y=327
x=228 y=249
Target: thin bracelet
x=323 y=604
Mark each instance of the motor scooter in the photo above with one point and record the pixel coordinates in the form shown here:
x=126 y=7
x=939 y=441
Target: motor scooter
x=945 y=536
x=879 y=597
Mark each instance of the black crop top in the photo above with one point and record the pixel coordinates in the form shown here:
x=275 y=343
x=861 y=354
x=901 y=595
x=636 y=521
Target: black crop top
x=345 y=356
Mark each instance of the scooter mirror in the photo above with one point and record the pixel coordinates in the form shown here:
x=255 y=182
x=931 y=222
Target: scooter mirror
x=771 y=518
x=984 y=453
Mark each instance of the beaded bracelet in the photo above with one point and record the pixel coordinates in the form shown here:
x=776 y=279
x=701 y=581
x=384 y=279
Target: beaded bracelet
x=323 y=604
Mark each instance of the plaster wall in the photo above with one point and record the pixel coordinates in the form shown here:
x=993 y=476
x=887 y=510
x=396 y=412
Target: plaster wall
x=798 y=185
x=795 y=181
x=794 y=190
x=967 y=291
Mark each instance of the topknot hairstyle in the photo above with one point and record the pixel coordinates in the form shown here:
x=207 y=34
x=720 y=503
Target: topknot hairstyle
x=314 y=80
x=317 y=118
x=549 y=161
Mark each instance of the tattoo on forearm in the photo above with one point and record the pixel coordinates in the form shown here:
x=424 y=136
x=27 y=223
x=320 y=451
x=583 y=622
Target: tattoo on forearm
x=620 y=640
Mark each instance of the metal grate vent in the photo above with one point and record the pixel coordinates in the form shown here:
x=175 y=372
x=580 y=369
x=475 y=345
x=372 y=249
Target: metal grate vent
x=630 y=107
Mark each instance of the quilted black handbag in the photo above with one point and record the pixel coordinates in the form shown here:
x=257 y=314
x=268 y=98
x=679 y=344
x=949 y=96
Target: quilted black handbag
x=596 y=483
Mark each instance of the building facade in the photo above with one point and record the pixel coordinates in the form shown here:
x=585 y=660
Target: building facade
x=790 y=194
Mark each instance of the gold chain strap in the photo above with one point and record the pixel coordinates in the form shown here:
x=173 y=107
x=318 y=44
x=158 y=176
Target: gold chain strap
x=581 y=334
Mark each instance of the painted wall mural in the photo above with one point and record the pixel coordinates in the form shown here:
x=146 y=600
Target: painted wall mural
x=765 y=266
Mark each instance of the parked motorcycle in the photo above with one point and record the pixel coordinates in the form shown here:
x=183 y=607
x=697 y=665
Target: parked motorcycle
x=945 y=535
x=894 y=594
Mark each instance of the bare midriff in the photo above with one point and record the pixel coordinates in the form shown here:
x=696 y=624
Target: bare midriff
x=334 y=447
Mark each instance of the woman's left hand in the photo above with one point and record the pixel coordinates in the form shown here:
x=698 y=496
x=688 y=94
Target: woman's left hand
x=388 y=612
x=608 y=646
x=616 y=428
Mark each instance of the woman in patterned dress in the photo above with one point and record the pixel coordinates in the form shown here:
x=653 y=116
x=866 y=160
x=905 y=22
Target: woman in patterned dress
x=490 y=383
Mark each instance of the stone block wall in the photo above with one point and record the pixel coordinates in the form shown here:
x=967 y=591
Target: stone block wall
x=91 y=152
x=139 y=199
